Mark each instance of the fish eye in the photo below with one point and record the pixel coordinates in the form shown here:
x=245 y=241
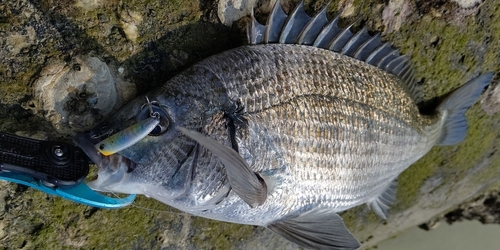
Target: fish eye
x=164 y=124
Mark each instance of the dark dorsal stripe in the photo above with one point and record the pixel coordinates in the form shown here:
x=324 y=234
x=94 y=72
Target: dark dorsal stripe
x=317 y=31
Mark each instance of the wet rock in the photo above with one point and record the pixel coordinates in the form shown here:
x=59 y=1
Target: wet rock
x=348 y=8
x=468 y=3
x=491 y=99
x=130 y=20
x=230 y=11
x=395 y=14
x=485 y=208
x=74 y=96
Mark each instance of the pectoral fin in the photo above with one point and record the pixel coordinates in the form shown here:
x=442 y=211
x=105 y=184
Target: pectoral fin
x=319 y=228
x=247 y=185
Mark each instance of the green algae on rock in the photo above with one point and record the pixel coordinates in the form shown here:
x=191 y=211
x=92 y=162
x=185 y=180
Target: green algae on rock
x=445 y=53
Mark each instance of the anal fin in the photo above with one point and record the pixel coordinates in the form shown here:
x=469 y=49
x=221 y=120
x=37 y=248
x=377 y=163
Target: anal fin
x=381 y=205
x=319 y=228
x=247 y=185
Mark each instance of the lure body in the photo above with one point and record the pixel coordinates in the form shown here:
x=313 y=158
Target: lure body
x=127 y=137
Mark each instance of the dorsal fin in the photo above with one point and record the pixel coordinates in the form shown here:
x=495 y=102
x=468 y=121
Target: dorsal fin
x=300 y=28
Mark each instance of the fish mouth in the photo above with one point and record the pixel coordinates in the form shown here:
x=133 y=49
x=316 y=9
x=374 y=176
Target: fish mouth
x=110 y=163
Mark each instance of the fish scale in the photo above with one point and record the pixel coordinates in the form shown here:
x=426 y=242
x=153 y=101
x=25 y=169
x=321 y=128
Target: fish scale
x=253 y=85
x=296 y=137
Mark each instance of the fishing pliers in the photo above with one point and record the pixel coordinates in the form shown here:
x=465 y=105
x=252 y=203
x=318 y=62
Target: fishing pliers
x=53 y=167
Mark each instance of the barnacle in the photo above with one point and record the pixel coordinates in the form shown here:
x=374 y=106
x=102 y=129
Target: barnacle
x=74 y=96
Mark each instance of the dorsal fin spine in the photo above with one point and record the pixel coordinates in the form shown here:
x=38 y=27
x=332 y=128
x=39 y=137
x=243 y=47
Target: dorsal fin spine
x=341 y=39
x=394 y=65
x=313 y=28
x=399 y=68
x=355 y=42
x=407 y=72
x=255 y=32
x=368 y=47
x=294 y=24
x=275 y=24
x=300 y=28
x=374 y=57
x=386 y=59
x=327 y=33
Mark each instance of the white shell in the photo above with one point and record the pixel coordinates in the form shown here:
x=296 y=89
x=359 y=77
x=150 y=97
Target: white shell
x=229 y=11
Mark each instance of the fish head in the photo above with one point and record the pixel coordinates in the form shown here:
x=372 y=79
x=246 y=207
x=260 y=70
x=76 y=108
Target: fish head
x=144 y=158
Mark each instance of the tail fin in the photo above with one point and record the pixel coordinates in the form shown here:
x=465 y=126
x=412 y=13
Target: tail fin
x=455 y=127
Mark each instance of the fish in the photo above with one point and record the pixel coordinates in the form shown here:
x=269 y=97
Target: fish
x=306 y=121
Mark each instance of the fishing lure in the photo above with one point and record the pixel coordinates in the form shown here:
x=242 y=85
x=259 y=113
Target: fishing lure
x=130 y=135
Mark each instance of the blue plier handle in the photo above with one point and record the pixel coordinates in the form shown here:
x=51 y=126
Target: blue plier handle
x=53 y=167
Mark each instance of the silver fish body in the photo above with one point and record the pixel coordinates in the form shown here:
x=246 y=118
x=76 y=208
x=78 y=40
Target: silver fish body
x=330 y=129
x=318 y=131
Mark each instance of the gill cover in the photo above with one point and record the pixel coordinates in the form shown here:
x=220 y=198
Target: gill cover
x=245 y=183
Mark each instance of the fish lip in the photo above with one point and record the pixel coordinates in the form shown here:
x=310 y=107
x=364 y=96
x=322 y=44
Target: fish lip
x=87 y=143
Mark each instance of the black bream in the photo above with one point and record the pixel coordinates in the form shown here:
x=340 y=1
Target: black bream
x=307 y=121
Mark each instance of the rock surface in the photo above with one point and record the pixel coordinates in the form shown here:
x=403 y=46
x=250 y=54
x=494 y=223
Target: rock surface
x=233 y=10
x=75 y=96
x=145 y=43
x=485 y=208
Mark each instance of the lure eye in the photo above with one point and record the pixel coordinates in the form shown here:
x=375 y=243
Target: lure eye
x=164 y=124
